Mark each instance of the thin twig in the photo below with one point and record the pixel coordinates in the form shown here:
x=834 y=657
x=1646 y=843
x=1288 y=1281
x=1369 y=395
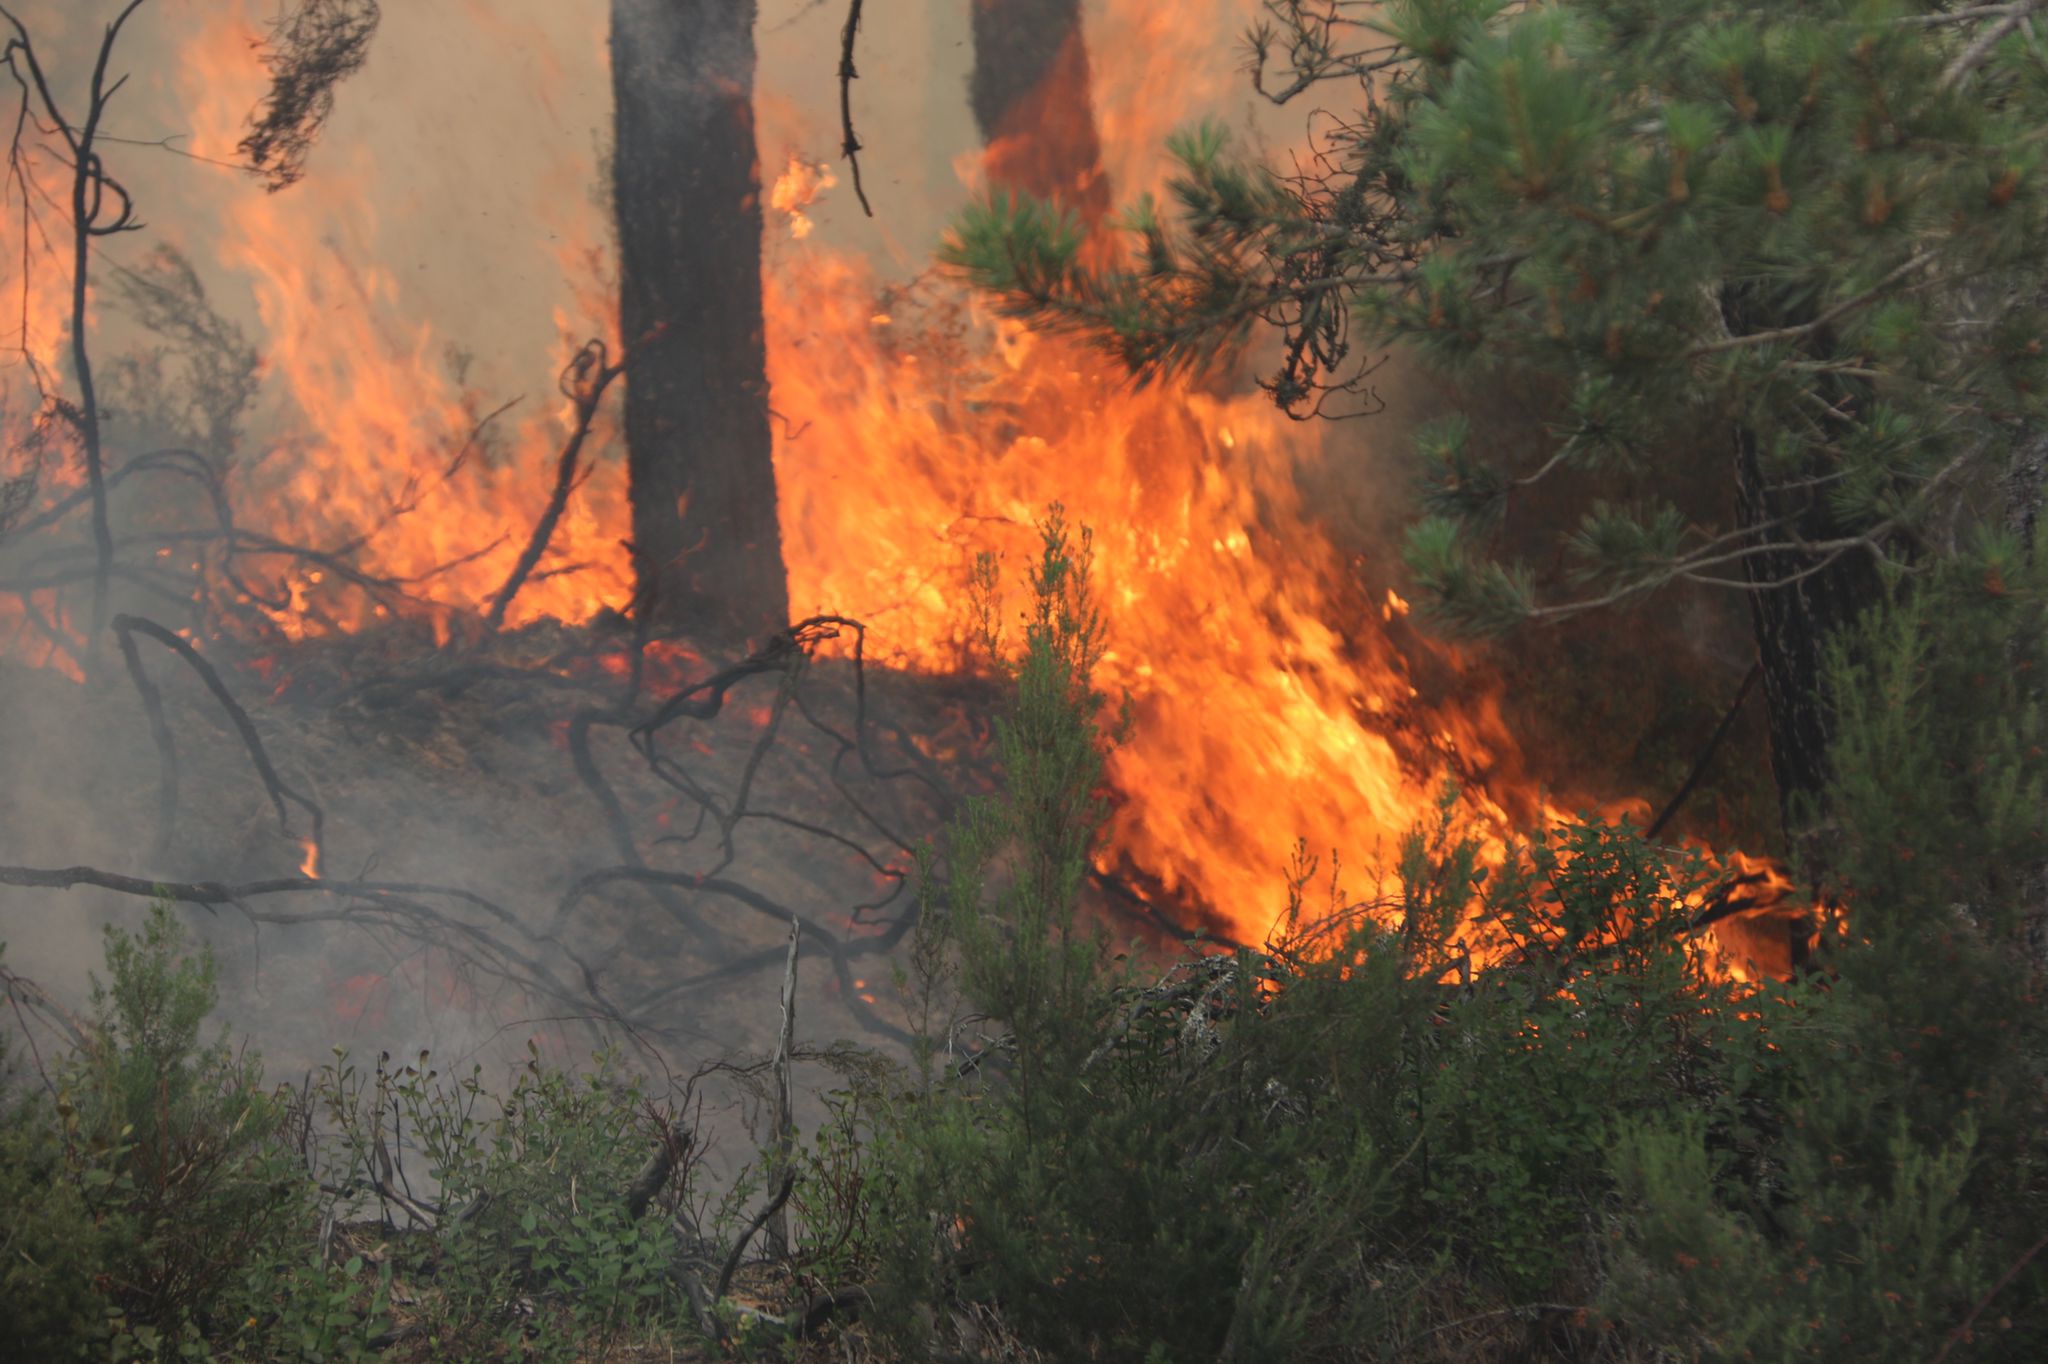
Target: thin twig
x=1980 y=49
x=849 y=145
x=1842 y=309
x=785 y=1094
x=1699 y=768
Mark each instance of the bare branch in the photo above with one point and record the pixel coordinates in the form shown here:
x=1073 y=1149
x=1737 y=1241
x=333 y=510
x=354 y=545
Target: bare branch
x=312 y=49
x=849 y=145
x=1980 y=48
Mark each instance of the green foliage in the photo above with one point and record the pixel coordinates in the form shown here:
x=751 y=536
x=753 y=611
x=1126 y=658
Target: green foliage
x=1819 y=225
x=50 y=1244
x=158 y=1201
x=1504 y=1109
x=530 y=1194
x=153 y=1200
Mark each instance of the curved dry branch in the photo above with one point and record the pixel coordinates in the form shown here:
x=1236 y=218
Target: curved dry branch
x=127 y=627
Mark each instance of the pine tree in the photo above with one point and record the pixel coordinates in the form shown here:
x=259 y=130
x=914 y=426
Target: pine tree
x=1816 y=228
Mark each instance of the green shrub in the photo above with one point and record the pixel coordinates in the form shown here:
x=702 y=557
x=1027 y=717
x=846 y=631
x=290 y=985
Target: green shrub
x=51 y=1248
x=523 y=1198
x=1511 y=1111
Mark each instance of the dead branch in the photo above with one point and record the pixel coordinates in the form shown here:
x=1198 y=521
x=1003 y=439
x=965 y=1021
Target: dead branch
x=661 y=1163
x=315 y=47
x=593 y=779
x=703 y=700
x=1699 y=768
x=126 y=627
x=844 y=1302
x=739 y=1247
x=785 y=1094
x=841 y=954
x=22 y=992
x=91 y=187
x=583 y=382
x=396 y=903
x=160 y=731
x=1980 y=50
x=849 y=145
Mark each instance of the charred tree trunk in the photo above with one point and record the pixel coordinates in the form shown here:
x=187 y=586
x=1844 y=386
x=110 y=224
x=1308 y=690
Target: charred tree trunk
x=707 y=548
x=1031 y=96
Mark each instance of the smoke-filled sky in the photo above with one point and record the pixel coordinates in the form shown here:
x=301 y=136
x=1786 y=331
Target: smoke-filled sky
x=469 y=149
x=456 y=204
x=453 y=202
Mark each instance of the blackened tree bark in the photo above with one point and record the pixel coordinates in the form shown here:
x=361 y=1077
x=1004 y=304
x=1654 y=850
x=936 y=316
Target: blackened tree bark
x=707 y=548
x=1032 y=102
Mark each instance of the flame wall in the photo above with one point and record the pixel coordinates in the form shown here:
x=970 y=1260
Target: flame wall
x=456 y=204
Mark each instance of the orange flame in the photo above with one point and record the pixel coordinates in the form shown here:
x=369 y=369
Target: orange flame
x=1278 y=695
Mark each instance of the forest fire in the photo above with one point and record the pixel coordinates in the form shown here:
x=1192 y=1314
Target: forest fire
x=716 y=679
x=1271 y=681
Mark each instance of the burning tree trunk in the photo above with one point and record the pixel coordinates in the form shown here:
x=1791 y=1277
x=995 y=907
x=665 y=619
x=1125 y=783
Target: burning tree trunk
x=1030 y=92
x=707 y=548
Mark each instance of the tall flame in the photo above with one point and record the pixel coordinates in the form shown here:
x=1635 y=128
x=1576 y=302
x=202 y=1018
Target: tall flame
x=394 y=453
x=1277 y=694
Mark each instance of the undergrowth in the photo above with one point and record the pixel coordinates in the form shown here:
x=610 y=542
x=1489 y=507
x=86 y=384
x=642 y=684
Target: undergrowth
x=1503 y=1108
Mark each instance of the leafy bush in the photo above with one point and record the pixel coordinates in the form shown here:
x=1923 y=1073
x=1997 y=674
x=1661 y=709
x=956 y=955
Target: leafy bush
x=159 y=1201
x=525 y=1194
x=141 y=1194
x=1508 y=1109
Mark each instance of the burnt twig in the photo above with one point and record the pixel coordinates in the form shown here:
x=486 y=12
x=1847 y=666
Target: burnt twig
x=583 y=382
x=785 y=1094
x=849 y=145
x=159 y=730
